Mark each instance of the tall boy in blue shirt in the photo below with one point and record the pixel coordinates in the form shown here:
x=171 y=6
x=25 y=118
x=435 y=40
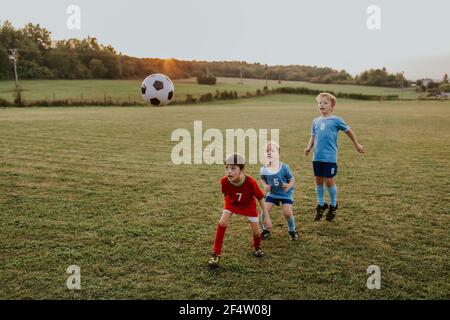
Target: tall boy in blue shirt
x=324 y=136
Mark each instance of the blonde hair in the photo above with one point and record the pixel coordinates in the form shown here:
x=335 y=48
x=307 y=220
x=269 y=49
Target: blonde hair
x=271 y=143
x=326 y=95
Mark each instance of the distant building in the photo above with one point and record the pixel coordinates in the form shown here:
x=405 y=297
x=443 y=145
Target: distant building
x=445 y=95
x=425 y=82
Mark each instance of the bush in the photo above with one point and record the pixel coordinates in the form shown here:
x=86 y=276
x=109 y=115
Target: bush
x=356 y=96
x=5 y=103
x=18 y=102
x=445 y=87
x=206 y=97
x=211 y=80
x=190 y=99
x=31 y=70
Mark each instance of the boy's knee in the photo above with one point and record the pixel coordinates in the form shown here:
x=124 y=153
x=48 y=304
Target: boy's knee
x=329 y=182
x=287 y=212
x=223 y=222
x=320 y=180
x=256 y=231
x=224 y=219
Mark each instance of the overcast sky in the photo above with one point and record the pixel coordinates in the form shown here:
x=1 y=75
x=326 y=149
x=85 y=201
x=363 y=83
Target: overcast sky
x=414 y=35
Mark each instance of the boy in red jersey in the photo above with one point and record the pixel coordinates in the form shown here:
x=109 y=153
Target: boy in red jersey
x=240 y=191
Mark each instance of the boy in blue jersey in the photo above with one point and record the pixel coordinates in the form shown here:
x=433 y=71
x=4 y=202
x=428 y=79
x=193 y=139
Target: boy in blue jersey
x=278 y=181
x=324 y=135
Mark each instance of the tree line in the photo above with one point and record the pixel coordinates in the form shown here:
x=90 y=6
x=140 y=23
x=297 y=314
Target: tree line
x=42 y=58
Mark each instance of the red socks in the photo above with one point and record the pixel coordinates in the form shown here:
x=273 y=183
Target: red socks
x=257 y=241
x=220 y=233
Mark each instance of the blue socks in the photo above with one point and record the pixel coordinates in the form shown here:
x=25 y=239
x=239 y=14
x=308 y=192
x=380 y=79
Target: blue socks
x=291 y=223
x=320 y=190
x=332 y=191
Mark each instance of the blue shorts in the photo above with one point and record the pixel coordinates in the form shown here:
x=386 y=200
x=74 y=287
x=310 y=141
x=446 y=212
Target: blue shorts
x=324 y=169
x=276 y=201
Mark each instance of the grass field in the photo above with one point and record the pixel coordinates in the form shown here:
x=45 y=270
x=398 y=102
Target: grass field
x=129 y=89
x=95 y=187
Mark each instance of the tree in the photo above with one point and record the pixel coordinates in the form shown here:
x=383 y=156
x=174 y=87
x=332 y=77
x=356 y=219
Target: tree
x=9 y=36
x=111 y=62
x=97 y=68
x=31 y=70
x=444 y=87
x=129 y=68
x=60 y=61
x=445 y=80
x=5 y=65
x=40 y=36
x=431 y=85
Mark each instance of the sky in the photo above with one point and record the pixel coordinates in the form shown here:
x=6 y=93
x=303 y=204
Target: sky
x=414 y=36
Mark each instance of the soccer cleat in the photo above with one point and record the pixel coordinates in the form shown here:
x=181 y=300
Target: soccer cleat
x=331 y=212
x=319 y=211
x=213 y=261
x=258 y=252
x=293 y=235
x=265 y=234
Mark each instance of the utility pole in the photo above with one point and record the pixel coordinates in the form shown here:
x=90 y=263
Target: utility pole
x=267 y=83
x=13 y=57
x=240 y=71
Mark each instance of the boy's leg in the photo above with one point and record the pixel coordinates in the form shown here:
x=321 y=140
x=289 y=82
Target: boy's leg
x=320 y=190
x=220 y=232
x=266 y=232
x=254 y=224
x=321 y=204
x=289 y=215
x=268 y=206
x=332 y=190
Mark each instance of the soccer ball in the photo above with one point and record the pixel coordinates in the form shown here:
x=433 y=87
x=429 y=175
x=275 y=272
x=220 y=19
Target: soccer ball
x=157 y=89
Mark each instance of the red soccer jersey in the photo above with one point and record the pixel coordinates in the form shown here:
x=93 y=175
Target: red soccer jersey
x=241 y=200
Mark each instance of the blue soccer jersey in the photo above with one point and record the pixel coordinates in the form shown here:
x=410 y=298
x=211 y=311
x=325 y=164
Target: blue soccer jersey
x=276 y=180
x=325 y=131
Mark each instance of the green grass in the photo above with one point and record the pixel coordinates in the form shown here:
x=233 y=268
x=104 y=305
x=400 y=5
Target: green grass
x=95 y=187
x=129 y=89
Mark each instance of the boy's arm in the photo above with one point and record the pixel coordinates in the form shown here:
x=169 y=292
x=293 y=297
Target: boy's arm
x=309 y=146
x=266 y=186
x=289 y=185
x=351 y=135
x=267 y=221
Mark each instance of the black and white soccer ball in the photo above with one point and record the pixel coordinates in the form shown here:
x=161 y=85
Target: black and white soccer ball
x=157 y=89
